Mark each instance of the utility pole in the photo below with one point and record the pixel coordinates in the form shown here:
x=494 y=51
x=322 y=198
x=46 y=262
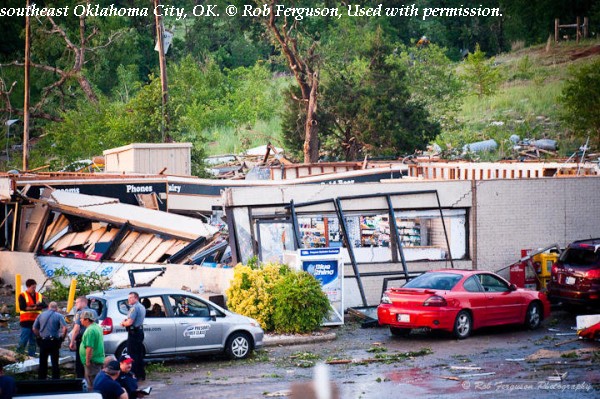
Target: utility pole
x=163 y=71
x=26 y=100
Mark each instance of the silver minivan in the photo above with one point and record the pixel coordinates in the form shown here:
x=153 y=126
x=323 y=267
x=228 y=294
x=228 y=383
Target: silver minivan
x=177 y=323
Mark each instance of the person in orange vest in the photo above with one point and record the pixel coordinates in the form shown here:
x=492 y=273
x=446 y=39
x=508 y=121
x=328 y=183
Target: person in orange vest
x=31 y=305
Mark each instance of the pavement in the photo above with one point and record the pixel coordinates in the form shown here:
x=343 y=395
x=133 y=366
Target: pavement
x=9 y=338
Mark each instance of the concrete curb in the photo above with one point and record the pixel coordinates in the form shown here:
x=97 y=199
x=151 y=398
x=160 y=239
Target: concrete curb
x=277 y=340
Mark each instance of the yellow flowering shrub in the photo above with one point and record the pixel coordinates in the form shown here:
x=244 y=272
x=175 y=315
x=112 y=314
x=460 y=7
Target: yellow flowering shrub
x=251 y=291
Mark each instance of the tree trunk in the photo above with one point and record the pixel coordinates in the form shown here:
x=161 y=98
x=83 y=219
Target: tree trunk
x=311 y=131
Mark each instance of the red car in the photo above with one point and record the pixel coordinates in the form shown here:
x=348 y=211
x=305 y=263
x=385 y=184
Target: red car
x=460 y=301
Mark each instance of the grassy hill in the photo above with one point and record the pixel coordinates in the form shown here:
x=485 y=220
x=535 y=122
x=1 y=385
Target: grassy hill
x=526 y=104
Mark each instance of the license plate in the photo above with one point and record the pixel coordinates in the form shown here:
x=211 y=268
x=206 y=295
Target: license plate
x=403 y=318
x=570 y=280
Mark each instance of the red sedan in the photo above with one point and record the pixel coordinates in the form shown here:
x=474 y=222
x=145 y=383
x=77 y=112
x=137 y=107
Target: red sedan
x=460 y=301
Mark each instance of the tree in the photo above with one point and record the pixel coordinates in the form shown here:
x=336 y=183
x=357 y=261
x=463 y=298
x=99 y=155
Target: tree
x=481 y=74
x=581 y=101
x=306 y=72
x=369 y=107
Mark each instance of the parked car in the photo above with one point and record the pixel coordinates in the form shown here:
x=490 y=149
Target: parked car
x=460 y=301
x=575 y=277
x=177 y=322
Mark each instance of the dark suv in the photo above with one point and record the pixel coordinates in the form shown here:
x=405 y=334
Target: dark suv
x=576 y=275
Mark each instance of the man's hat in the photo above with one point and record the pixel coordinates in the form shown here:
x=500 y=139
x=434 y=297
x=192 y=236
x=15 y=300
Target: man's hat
x=113 y=366
x=87 y=314
x=125 y=359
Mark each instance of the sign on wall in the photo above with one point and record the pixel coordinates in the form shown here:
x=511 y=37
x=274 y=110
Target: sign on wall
x=327 y=266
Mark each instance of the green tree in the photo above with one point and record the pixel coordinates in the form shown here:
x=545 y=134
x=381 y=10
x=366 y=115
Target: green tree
x=581 y=101
x=369 y=108
x=481 y=74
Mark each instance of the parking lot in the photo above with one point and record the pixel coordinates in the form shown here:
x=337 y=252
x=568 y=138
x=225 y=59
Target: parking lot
x=509 y=361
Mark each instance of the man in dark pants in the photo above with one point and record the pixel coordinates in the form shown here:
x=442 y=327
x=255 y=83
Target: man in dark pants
x=51 y=329
x=31 y=305
x=77 y=333
x=134 y=323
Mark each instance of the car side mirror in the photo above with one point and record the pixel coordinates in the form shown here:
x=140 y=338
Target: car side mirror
x=213 y=314
x=512 y=287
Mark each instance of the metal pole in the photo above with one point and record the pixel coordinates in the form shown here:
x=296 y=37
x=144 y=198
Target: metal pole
x=26 y=100
x=444 y=226
x=295 y=226
x=394 y=225
x=340 y=213
x=163 y=71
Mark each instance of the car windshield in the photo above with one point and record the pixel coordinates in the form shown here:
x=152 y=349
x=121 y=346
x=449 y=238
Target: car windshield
x=435 y=281
x=581 y=257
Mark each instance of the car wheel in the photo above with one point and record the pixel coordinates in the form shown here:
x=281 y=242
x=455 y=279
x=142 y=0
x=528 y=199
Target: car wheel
x=400 y=332
x=463 y=325
x=238 y=346
x=121 y=350
x=533 y=317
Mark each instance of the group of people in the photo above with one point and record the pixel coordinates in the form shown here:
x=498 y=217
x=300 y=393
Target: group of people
x=42 y=324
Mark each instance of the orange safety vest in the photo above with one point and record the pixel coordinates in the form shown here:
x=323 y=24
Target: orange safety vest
x=30 y=315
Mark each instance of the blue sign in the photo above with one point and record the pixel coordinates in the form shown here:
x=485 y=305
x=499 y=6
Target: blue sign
x=326 y=271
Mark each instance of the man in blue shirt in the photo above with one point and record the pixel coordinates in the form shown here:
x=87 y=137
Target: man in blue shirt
x=134 y=323
x=50 y=328
x=105 y=382
x=8 y=386
x=126 y=378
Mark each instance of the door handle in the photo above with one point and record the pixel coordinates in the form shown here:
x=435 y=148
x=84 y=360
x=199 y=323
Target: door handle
x=184 y=324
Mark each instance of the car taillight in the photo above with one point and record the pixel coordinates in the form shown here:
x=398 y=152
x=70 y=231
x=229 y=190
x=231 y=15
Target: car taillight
x=107 y=326
x=385 y=299
x=593 y=274
x=554 y=269
x=435 y=300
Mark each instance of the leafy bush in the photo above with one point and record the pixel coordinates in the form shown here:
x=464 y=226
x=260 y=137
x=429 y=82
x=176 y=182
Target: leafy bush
x=251 y=291
x=86 y=283
x=279 y=298
x=300 y=304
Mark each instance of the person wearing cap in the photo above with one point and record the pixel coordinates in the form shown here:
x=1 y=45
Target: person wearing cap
x=91 y=350
x=51 y=329
x=106 y=382
x=77 y=333
x=126 y=378
x=31 y=304
x=134 y=323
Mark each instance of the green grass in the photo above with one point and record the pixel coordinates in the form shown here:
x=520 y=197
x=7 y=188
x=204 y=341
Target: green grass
x=227 y=140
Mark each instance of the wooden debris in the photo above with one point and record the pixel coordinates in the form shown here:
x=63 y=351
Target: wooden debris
x=567 y=341
x=558 y=376
x=472 y=368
